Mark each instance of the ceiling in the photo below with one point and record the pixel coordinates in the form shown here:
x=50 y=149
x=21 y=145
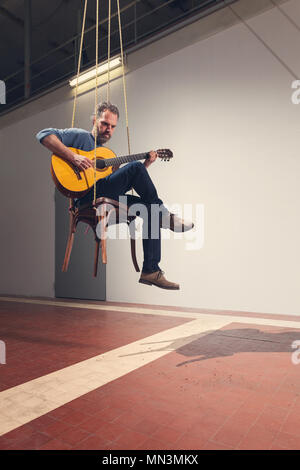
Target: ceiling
x=55 y=36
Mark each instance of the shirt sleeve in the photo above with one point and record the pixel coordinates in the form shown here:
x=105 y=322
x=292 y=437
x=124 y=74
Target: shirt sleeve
x=49 y=131
x=67 y=136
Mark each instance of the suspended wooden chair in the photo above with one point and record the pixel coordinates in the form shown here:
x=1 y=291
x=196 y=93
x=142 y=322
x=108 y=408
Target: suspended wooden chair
x=109 y=211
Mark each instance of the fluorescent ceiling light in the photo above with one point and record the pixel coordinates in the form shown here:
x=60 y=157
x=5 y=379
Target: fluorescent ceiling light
x=90 y=74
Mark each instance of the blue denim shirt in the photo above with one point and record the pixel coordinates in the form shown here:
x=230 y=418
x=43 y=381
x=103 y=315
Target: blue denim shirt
x=74 y=137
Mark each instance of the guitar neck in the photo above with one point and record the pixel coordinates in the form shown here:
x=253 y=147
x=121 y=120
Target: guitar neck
x=119 y=160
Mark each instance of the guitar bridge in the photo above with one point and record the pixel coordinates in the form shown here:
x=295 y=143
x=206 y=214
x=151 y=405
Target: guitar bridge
x=77 y=172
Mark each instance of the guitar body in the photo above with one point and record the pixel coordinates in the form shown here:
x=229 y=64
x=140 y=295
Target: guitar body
x=73 y=182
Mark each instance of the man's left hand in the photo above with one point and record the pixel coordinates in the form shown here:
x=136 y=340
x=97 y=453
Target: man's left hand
x=115 y=168
x=152 y=157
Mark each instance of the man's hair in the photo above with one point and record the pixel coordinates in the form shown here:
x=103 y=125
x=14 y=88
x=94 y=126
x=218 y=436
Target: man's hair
x=104 y=106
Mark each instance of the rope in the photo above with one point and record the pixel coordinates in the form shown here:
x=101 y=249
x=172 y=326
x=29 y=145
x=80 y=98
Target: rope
x=123 y=74
x=96 y=99
x=108 y=78
x=71 y=201
x=108 y=51
x=79 y=64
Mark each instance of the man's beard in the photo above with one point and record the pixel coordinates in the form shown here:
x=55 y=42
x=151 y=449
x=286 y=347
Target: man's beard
x=102 y=138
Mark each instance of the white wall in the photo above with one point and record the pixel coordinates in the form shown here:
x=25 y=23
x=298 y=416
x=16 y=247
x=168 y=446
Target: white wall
x=223 y=105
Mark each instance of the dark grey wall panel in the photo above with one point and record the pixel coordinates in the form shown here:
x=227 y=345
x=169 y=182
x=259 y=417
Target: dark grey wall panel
x=78 y=282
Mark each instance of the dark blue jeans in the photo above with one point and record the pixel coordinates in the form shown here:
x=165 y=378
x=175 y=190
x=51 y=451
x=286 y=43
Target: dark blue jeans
x=134 y=175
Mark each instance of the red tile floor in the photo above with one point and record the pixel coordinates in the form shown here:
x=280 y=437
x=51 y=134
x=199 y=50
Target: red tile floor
x=234 y=387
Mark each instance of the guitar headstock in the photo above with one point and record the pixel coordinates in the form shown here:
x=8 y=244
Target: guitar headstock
x=164 y=154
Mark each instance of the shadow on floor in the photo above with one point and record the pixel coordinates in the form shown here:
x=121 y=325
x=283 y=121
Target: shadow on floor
x=222 y=343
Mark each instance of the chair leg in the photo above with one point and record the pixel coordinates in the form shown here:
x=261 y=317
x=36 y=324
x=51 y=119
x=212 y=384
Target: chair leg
x=69 y=243
x=103 y=250
x=103 y=221
x=96 y=257
x=133 y=255
x=68 y=252
x=131 y=226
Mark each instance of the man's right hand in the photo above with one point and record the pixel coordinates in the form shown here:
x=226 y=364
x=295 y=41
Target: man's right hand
x=83 y=163
x=53 y=143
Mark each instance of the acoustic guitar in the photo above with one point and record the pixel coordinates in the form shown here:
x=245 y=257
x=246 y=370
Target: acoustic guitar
x=74 y=183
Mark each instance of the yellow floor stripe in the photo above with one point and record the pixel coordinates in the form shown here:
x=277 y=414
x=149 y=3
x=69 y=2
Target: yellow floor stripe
x=23 y=403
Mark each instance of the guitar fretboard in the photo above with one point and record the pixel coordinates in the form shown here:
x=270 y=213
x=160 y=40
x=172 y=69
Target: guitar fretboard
x=119 y=160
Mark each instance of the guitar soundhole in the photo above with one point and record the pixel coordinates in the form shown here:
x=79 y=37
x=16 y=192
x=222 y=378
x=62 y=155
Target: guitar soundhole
x=100 y=164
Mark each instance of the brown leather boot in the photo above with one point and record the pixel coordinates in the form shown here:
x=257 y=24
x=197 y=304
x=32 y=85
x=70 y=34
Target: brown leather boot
x=158 y=279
